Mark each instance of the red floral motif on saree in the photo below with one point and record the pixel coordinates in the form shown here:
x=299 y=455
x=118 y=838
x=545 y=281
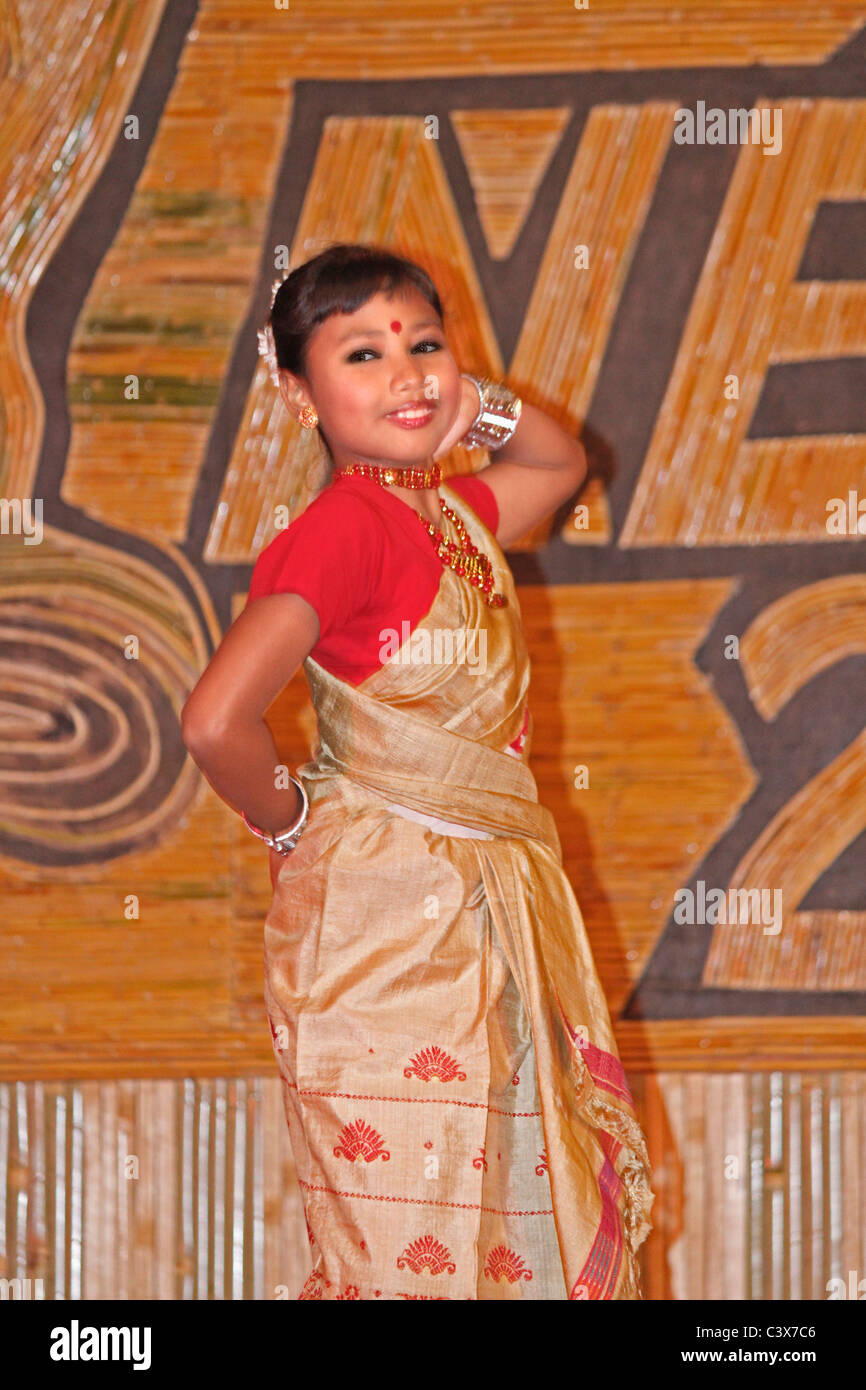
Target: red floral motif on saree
x=316 y=1281
x=541 y=1168
x=427 y=1254
x=503 y=1263
x=480 y=1162
x=434 y=1064
x=313 y=1286
x=359 y=1141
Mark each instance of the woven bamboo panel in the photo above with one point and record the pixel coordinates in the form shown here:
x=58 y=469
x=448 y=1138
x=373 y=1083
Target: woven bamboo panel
x=507 y=154
x=701 y=483
x=786 y=646
x=748 y=1043
x=602 y=208
x=821 y=319
x=760 y=1184
x=792 y=640
x=787 y=484
x=150 y=1190
x=53 y=74
x=188 y=1190
x=630 y=837
x=169 y=295
x=408 y=39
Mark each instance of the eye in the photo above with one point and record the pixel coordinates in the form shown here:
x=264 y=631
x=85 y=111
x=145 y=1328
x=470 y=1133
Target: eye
x=357 y=355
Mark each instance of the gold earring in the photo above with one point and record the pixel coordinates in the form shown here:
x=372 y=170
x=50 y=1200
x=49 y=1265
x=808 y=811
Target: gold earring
x=308 y=417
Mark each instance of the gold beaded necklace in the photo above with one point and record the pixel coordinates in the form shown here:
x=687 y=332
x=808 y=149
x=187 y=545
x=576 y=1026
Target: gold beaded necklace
x=465 y=559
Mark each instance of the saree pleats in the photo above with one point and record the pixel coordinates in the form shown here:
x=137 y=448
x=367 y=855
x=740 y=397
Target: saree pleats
x=460 y=1121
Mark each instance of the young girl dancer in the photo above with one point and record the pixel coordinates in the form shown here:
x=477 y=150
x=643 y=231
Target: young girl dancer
x=460 y=1121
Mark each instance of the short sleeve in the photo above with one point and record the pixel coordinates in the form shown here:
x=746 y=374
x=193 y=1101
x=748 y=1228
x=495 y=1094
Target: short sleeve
x=331 y=555
x=480 y=497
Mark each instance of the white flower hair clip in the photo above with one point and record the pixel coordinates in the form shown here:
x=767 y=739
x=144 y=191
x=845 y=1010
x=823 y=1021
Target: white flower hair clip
x=267 y=346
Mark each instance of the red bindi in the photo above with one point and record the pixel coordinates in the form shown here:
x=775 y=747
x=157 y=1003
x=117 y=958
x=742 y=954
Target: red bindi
x=396 y=325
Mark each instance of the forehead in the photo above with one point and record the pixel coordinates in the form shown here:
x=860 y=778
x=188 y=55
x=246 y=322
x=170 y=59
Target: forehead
x=406 y=302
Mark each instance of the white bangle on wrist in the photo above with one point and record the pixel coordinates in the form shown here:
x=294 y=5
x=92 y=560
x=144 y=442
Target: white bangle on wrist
x=285 y=840
x=497 y=416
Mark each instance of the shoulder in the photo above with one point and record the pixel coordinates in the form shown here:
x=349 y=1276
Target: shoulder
x=332 y=517
x=336 y=542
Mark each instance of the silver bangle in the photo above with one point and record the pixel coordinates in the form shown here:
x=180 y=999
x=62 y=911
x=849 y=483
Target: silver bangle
x=284 y=842
x=497 y=417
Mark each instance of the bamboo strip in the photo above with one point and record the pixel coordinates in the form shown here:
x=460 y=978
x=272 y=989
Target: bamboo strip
x=507 y=154
x=702 y=482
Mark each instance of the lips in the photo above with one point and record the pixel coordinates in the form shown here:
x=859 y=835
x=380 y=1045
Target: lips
x=413 y=415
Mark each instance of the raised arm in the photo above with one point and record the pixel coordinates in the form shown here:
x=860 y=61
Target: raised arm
x=222 y=722
x=533 y=474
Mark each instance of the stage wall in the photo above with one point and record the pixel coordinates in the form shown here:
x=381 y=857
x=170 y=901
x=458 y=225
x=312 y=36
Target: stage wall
x=695 y=308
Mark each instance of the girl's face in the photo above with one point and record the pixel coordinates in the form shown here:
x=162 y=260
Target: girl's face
x=389 y=356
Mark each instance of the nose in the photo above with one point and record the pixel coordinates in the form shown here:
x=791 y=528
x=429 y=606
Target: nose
x=409 y=377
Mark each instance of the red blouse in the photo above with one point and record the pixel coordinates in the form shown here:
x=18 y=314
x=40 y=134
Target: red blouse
x=359 y=555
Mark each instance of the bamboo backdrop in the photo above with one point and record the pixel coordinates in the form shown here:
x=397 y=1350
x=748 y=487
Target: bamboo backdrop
x=132 y=1026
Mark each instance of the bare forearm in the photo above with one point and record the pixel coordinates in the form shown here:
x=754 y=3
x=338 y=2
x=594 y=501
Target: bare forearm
x=539 y=441
x=244 y=769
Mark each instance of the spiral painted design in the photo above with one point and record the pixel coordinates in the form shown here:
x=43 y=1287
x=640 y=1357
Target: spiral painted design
x=92 y=764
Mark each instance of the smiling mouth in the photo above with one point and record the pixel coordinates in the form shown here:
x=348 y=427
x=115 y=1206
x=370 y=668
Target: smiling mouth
x=421 y=407
x=411 y=415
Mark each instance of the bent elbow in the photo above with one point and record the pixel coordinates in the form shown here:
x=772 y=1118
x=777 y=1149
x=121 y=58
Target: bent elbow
x=196 y=730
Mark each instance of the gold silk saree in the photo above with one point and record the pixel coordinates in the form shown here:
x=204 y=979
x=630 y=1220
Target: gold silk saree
x=460 y=1121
